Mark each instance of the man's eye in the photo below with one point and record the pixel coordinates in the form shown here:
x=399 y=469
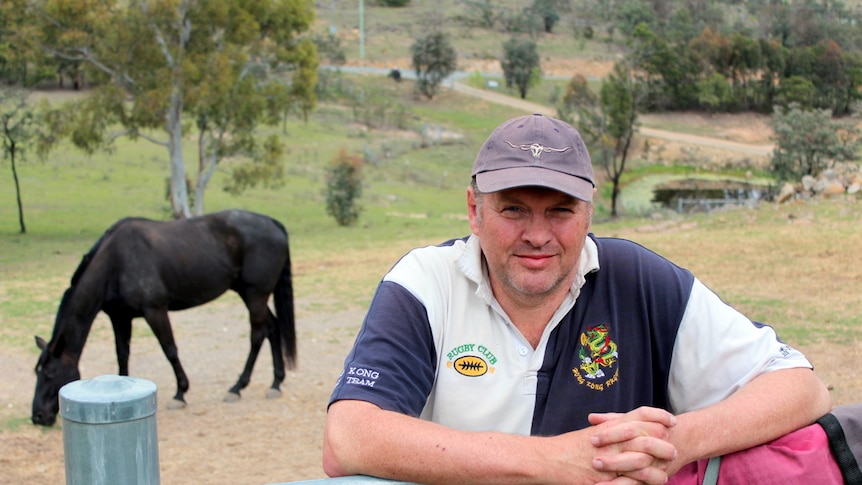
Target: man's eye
x=513 y=211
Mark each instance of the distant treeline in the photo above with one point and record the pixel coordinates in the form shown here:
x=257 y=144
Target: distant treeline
x=737 y=72
x=726 y=55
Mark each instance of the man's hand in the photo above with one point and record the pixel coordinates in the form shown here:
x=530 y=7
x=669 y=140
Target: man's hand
x=634 y=445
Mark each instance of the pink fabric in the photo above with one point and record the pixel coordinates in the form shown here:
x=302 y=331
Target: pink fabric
x=799 y=458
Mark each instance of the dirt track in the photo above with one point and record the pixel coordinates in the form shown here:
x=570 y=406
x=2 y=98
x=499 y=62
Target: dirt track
x=681 y=138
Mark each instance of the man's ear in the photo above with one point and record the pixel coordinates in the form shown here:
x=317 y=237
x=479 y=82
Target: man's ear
x=472 y=209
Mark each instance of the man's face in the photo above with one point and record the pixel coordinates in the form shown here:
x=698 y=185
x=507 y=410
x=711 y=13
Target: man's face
x=531 y=238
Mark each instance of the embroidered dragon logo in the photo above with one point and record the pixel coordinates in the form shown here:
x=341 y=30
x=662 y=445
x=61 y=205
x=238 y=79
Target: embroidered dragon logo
x=597 y=351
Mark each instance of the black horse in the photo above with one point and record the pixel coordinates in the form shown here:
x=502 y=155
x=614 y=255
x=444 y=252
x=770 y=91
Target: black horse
x=144 y=268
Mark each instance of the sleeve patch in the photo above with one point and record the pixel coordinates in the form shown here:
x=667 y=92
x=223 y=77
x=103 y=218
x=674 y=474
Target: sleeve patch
x=360 y=376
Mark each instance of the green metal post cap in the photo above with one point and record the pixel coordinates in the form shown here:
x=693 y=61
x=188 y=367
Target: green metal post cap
x=108 y=399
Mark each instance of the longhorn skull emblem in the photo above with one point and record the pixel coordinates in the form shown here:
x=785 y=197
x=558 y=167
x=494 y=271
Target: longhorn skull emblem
x=536 y=149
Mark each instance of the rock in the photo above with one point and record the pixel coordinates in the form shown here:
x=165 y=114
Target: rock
x=787 y=192
x=832 y=189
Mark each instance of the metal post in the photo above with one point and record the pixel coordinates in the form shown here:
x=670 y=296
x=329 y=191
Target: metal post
x=362 y=29
x=109 y=431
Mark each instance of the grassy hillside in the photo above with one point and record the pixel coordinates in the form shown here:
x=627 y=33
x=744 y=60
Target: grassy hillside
x=387 y=33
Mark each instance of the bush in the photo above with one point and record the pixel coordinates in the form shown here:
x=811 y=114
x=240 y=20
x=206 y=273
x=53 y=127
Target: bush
x=809 y=141
x=520 y=64
x=343 y=188
x=434 y=58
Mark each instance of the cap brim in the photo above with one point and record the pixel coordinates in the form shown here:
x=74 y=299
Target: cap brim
x=508 y=178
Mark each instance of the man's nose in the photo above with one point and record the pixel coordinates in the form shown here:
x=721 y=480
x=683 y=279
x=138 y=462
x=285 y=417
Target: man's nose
x=537 y=230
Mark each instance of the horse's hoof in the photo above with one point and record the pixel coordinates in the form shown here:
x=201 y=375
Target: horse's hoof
x=231 y=397
x=273 y=393
x=176 y=404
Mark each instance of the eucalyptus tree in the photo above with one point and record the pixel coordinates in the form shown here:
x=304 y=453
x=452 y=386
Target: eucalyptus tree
x=159 y=66
x=619 y=98
x=810 y=141
x=434 y=58
x=670 y=72
x=22 y=67
x=549 y=11
x=607 y=120
x=16 y=132
x=520 y=64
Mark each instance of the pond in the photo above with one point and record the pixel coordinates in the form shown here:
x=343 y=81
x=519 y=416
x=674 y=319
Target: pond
x=687 y=193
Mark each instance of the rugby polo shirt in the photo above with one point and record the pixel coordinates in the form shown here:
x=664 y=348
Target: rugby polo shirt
x=634 y=330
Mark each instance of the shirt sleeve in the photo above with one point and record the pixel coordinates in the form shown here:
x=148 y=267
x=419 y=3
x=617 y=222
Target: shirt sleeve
x=393 y=361
x=718 y=350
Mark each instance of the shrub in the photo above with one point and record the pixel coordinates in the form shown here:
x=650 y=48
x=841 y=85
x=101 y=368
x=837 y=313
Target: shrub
x=434 y=58
x=343 y=188
x=809 y=141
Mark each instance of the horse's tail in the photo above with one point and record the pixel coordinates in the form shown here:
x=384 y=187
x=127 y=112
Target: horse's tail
x=283 y=296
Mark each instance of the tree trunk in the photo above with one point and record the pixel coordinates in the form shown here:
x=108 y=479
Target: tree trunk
x=615 y=192
x=179 y=192
x=17 y=189
x=207 y=160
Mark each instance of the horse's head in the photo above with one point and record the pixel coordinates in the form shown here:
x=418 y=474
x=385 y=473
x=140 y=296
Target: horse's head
x=53 y=371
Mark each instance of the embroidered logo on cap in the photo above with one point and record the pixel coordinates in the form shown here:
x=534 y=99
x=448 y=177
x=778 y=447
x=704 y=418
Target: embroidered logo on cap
x=537 y=149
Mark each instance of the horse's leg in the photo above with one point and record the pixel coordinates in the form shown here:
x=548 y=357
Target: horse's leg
x=275 y=344
x=158 y=320
x=259 y=317
x=122 y=337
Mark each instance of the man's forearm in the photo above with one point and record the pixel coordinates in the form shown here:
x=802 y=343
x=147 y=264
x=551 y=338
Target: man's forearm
x=362 y=439
x=772 y=405
x=410 y=449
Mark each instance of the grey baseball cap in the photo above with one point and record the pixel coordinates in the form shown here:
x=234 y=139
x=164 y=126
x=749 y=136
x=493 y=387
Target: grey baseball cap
x=535 y=150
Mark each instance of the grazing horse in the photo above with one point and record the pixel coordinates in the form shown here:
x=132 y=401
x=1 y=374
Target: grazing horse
x=144 y=268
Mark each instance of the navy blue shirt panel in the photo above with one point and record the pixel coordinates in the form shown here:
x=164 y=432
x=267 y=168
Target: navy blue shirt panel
x=397 y=371
x=612 y=352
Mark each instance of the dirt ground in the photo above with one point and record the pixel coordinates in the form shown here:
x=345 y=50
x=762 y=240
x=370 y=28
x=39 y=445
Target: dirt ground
x=254 y=441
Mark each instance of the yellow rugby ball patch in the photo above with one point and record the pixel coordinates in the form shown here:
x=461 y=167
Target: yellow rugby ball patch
x=470 y=366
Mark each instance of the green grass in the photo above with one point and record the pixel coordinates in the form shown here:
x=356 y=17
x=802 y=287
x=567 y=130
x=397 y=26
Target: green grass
x=791 y=266
x=10 y=425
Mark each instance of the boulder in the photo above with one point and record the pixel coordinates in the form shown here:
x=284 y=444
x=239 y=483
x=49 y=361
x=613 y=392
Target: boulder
x=787 y=192
x=832 y=189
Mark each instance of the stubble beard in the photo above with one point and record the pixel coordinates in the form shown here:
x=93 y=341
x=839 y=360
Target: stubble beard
x=518 y=284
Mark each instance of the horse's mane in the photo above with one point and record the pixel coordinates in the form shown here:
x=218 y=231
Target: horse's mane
x=85 y=261
x=79 y=271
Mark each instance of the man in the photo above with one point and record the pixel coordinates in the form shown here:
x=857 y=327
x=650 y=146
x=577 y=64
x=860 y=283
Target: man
x=534 y=352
